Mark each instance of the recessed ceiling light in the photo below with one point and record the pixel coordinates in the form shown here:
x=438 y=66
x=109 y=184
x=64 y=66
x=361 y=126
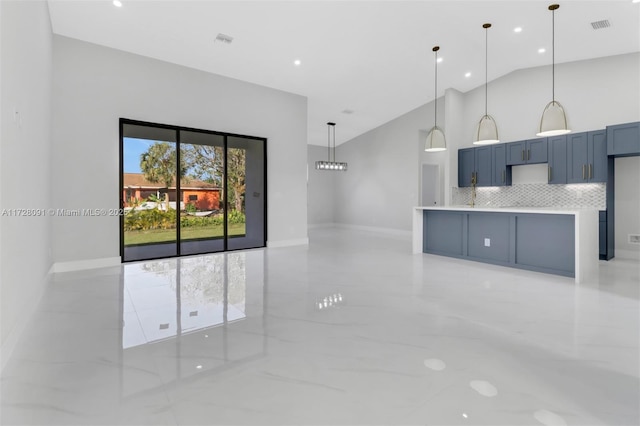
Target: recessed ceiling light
x=542 y=50
x=117 y=3
x=468 y=75
x=297 y=62
x=517 y=30
x=439 y=60
x=635 y=1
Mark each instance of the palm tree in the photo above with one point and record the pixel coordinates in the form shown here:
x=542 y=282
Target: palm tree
x=159 y=165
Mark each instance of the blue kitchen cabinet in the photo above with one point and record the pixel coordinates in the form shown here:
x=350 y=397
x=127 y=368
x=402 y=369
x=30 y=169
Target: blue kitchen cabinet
x=533 y=151
x=483 y=165
x=623 y=139
x=501 y=174
x=475 y=162
x=557 y=150
x=466 y=166
x=587 y=157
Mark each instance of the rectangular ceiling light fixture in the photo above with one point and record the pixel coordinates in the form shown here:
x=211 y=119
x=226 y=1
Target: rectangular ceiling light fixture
x=224 y=38
x=598 y=25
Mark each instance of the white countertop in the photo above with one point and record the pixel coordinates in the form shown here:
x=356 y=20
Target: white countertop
x=538 y=210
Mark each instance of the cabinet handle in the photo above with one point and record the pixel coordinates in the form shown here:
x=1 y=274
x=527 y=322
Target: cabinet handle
x=590 y=170
x=503 y=177
x=522 y=154
x=583 y=174
x=549 y=173
x=528 y=154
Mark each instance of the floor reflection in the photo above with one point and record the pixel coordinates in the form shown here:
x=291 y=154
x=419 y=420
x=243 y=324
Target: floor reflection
x=176 y=313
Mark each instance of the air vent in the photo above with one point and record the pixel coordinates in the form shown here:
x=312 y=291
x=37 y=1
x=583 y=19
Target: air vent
x=598 y=25
x=223 y=38
x=634 y=239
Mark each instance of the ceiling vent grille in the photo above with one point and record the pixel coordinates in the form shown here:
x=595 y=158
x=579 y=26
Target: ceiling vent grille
x=598 y=25
x=223 y=38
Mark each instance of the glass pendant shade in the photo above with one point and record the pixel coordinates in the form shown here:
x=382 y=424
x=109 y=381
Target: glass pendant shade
x=553 y=121
x=435 y=140
x=487 y=131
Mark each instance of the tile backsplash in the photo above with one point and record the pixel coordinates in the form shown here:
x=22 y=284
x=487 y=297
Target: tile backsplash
x=591 y=195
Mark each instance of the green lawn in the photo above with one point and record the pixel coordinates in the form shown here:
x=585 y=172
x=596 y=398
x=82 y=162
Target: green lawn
x=186 y=234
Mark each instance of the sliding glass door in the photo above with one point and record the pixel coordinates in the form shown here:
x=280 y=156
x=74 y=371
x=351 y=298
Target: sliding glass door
x=187 y=191
x=202 y=193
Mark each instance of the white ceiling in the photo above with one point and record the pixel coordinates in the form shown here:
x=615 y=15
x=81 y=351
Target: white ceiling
x=372 y=57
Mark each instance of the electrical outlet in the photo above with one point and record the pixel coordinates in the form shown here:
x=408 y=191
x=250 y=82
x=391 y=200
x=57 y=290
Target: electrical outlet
x=487 y=242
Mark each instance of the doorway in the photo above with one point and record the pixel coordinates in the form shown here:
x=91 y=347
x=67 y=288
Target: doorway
x=430 y=185
x=187 y=191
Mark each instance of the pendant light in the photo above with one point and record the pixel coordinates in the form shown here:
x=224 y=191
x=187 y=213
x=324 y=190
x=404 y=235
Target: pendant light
x=487 y=129
x=331 y=163
x=435 y=139
x=554 y=119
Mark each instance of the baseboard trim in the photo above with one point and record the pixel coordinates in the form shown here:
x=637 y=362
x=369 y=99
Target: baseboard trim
x=10 y=343
x=81 y=265
x=321 y=225
x=288 y=243
x=628 y=254
x=386 y=231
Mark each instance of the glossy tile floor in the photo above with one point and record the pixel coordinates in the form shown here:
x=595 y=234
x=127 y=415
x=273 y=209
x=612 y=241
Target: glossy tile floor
x=353 y=329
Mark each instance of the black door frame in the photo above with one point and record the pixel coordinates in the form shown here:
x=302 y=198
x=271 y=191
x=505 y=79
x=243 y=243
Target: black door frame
x=178 y=129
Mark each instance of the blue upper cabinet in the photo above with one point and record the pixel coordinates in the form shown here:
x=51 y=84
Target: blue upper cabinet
x=501 y=175
x=537 y=151
x=532 y=151
x=587 y=157
x=466 y=166
x=623 y=139
x=597 y=146
x=577 y=157
x=557 y=150
x=483 y=165
x=515 y=153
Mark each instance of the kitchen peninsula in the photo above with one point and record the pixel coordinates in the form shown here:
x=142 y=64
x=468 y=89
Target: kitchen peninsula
x=556 y=241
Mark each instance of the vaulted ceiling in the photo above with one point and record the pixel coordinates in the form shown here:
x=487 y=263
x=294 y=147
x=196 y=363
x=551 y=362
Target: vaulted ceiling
x=373 y=58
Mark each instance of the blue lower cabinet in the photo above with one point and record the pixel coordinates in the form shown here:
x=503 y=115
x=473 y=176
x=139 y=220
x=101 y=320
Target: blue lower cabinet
x=489 y=236
x=443 y=233
x=602 y=235
x=545 y=243
x=537 y=242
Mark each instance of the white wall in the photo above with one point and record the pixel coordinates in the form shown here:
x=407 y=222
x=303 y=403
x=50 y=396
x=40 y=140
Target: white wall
x=320 y=208
x=25 y=82
x=94 y=86
x=382 y=182
x=627 y=206
x=381 y=185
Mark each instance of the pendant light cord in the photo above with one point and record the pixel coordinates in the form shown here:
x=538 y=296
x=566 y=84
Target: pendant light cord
x=435 y=113
x=486 y=68
x=328 y=143
x=553 y=55
x=334 y=143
